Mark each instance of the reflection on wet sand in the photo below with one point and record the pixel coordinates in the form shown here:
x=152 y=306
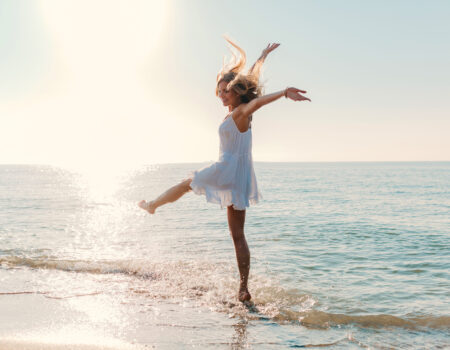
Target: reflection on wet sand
x=239 y=340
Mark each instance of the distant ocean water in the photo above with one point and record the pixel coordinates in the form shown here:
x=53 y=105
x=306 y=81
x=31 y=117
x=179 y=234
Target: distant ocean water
x=343 y=255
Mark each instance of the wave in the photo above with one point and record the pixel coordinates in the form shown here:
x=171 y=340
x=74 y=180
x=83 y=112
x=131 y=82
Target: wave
x=129 y=267
x=321 y=319
x=215 y=285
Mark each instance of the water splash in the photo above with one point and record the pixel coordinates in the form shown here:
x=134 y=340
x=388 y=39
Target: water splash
x=204 y=284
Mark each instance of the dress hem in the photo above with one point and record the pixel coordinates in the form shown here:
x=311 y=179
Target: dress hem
x=223 y=202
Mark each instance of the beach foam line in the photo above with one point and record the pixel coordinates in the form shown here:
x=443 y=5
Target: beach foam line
x=323 y=320
x=12 y=344
x=320 y=319
x=215 y=286
x=46 y=294
x=130 y=267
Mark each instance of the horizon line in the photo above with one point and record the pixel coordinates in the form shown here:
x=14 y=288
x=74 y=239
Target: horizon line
x=255 y=161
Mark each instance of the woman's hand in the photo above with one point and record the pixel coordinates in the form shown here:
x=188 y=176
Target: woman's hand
x=263 y=56
x=294 y=94
x=269 y=49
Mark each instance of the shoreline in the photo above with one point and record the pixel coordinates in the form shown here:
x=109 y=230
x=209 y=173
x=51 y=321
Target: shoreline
x=17 y=344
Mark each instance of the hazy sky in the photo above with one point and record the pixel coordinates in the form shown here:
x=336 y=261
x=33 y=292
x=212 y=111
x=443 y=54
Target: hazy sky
x=131 y=82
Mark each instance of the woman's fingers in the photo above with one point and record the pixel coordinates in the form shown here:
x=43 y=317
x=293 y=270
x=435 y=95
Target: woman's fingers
x=294 y=94
x=302 y=98
x=298 y=97
x=272 y=47
x=297 y=90
x=269 y=49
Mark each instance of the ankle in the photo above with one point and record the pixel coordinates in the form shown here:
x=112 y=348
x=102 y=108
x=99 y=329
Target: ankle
x=243 y=287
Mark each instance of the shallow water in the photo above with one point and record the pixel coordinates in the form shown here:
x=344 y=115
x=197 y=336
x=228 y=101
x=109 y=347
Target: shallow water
x=343 y=255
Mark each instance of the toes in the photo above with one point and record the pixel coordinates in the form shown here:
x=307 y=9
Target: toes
x=143 y=204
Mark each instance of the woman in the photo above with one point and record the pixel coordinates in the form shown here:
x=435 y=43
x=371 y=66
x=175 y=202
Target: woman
x=231 y=181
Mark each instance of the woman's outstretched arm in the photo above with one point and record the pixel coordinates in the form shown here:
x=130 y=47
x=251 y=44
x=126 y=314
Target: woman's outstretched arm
x=292 y=93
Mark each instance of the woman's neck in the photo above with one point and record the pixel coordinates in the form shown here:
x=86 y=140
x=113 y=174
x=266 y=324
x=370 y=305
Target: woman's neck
x=231 y=108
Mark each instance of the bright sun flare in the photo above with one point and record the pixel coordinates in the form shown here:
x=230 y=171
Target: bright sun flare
x=95 y=112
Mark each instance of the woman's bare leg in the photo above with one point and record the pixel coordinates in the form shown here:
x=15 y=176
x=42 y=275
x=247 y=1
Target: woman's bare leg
x=236 y=220
x=171 y=195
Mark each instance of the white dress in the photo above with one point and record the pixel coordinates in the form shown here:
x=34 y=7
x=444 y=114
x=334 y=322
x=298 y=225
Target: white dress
x=231 y=180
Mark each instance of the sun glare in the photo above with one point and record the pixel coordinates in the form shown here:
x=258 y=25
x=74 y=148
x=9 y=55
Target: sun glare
x=95 y=110
x=98 y=37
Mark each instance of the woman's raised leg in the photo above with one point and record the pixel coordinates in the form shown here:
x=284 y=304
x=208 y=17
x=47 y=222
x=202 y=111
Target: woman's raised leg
x=171 y=195
x=236 y=220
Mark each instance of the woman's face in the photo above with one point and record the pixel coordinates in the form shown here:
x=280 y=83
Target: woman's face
x=228 y=97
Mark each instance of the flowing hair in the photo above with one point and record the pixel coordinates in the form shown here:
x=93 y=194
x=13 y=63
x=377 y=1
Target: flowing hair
x=246 y=85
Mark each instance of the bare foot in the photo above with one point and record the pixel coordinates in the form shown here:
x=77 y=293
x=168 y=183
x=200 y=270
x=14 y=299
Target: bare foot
x=244 y=295
x=148 y=206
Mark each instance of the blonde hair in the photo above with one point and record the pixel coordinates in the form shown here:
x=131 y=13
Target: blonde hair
x=246 y=85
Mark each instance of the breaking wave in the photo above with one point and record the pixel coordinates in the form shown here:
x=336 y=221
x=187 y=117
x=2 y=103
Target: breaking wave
x=215 y=286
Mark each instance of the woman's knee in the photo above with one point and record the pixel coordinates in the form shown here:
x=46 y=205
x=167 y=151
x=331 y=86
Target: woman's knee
x=186 y=184
x=237 y=234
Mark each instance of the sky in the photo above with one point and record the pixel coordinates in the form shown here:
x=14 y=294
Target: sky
x=94 y=83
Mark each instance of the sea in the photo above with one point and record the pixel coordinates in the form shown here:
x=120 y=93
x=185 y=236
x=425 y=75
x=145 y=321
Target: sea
x=344 y=255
